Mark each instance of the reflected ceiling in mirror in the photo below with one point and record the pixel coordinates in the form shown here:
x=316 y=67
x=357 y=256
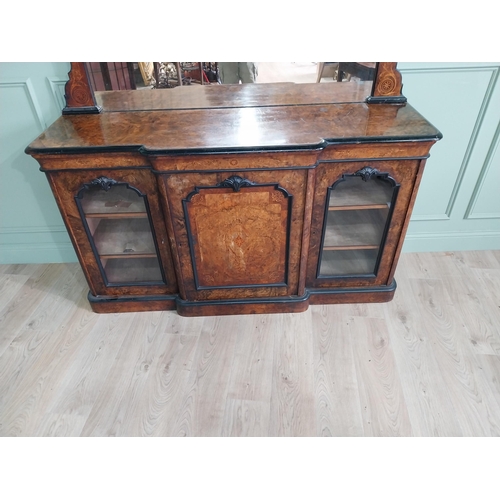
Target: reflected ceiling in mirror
x=181 y=85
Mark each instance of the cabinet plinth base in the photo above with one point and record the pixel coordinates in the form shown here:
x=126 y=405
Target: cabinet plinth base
x=353 y=296
x=141 y=303
x=292 y=304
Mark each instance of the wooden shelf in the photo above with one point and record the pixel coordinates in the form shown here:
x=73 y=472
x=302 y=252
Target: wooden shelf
x=355 y=229
x=359 y=207
x=354 y=192
x=118 y=200
x=124 y=238
x=118 y=215
x=127 y=255
x=352 y=247
x=345 y=263
x=133 y=270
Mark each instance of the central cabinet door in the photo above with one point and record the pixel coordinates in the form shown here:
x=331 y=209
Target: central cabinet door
x=237 y=234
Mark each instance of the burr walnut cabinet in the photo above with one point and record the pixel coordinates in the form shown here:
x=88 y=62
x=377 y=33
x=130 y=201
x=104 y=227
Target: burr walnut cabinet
x=236 y=199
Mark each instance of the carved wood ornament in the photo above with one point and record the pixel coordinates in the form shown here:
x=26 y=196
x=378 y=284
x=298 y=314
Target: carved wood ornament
x=388 y=84
x=78 y=91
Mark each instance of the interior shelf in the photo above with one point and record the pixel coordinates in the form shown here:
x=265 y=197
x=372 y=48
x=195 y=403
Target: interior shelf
x=124 y=238
x=359 y=207
x=355 y=229
x=132 y=270
x=118 y=200
x=352 y=262
x=352 y=247
x=118 y=215
x=355 y=193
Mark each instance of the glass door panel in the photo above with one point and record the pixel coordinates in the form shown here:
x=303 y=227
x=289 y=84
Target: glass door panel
x=356 y=221
x=118 y=224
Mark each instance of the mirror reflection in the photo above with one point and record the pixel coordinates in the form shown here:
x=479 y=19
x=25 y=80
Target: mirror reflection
x=106 y=76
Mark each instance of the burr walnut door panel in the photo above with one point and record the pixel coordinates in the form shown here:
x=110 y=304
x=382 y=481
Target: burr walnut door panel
x=359 y=214
x=237 y=234
x=116 y=225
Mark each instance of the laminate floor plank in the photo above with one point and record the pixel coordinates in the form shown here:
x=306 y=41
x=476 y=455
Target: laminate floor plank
x=433 y=265
x=249 y=392
x=20 y=306
x=115 y=406
x=246 y=418
x=252 y=367
x=168 y=385
x=293 y=409
x=425 y=364
x=479 y=316
x=147 y=373
x=85 y=377
x=490 y=370
x=202 y=410
x=12 y=278
x=449 y=335
x=338 y=409
x=430 y=407
x=488 y=288
x=383 y=405
x=46 y=376
x=37 y=331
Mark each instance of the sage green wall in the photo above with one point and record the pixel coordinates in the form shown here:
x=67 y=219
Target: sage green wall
x=31 y=229
x=458 y=207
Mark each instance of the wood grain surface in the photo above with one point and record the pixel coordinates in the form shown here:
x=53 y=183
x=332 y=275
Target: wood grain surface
x=425 y=364
x=281 y=127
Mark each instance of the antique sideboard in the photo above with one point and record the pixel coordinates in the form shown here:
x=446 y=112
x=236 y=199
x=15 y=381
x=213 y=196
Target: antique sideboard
x=237 y=199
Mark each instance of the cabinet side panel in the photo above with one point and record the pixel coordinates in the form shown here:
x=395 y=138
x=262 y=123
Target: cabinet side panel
x=407 y=219
x=89 y=266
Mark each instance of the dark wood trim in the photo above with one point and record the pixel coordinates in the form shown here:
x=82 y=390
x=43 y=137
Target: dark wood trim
x=353 y=295
x=306 y=230
x=243 y=306
x=137 y=303
x=167 y=213
x=322 y=145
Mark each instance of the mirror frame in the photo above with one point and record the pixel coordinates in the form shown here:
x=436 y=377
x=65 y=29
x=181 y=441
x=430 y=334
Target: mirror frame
x=80 y=98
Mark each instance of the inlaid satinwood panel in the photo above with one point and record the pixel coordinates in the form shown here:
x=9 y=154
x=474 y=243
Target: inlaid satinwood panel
x=237 y=235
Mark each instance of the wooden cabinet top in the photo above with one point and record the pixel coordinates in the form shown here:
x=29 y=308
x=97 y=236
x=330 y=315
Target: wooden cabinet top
x=246 y=127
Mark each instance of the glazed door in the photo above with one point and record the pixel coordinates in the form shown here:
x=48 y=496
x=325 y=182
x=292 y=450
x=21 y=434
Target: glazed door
x=358 y=218
x=237 y=234
x=116 y=220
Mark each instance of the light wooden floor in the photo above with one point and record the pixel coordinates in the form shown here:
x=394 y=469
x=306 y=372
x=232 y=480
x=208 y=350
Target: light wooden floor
x=425 y=364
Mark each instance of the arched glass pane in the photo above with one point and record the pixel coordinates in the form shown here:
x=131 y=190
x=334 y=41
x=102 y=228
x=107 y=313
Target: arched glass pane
x=356 y=219
x=120 y=231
